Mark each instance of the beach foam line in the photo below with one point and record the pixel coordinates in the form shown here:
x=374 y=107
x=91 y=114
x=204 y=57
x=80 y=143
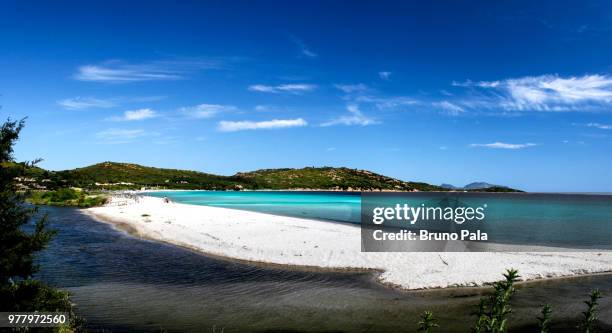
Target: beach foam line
x=271 y=239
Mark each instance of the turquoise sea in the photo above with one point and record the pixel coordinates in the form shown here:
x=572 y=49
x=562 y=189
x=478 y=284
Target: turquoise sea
x=335 y=206
x=547 y=219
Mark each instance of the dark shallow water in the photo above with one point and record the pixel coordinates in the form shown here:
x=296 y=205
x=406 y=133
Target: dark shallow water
x=121 y=283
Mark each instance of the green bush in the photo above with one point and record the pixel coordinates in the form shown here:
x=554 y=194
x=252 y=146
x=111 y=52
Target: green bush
x=64 y=194
x=66 y=197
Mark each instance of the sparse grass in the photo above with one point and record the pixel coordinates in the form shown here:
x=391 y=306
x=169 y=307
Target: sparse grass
x=493 y=312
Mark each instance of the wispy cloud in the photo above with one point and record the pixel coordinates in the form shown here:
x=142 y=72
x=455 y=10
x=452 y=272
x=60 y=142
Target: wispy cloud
x=124 y=73
x=133 y=115
x=352 y=88
x=600 y=126
x=82 y=103
x=503 y=145
x=450 y=108
x=547 y=92
x=117 y=135
x=293 y=88
x=384 y=75
x=203 y=111
x=233 y=126
x=303 y=48
x=355 y=117
x=481 y=84
x=387 y=102
x=120 y=72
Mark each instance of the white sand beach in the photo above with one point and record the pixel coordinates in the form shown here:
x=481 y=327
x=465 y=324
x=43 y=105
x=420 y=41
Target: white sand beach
x=265 y=238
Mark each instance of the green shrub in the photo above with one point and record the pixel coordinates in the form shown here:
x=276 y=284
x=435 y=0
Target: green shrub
x=427 y=323
x=64 y=194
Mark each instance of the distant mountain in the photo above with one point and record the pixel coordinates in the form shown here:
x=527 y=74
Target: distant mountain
x=481 y=187
x=113 y=175
x=478 y=186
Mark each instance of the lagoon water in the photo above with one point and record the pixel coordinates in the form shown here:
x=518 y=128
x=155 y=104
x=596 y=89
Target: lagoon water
x=582 y=221
x=121 y=283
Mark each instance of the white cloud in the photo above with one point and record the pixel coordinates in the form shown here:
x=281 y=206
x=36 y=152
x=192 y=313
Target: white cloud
x=233 y=126
x=116 y=135
x=600 y=126
x=304 y=50
x=355 y=117
x=295 y=88
x=384 y=75
x=132 y=115
x=387 y=102
x=351 y=88
x=450 y=108
x=126 y=73
x=119 y=72
x=503 y=145
x=81 y=103
x=203 y=111
x=330 y=149
x=548 y=92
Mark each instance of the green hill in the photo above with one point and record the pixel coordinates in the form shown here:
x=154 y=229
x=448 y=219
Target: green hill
x=127 y=175
x=328 y=178
x=112 y=175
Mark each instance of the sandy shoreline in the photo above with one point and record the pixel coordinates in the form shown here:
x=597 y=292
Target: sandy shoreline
x=287 y=241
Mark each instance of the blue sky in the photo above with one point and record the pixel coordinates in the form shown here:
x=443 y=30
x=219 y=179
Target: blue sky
x=515 y=93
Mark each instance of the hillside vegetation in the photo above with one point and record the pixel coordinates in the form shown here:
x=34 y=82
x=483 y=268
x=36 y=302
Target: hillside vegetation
x=113 y=176
x=328 y=178
x=127 y=175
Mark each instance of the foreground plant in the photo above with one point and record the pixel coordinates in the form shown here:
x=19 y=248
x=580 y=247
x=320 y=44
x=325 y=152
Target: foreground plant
x=545 y=318
x=427 y=323
x=18 y=290
x=493 y=313
x=590 y=315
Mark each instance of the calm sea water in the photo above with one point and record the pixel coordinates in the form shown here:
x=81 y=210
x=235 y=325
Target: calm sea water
x=336 y=206
x=561 y=220
x=121 y=283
